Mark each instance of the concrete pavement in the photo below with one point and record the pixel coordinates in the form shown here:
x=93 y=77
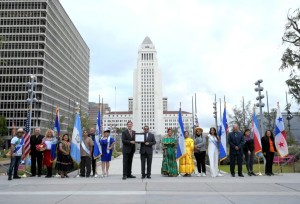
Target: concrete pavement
x=261 y=189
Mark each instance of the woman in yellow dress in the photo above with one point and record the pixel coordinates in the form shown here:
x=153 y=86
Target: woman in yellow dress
x=186 y=162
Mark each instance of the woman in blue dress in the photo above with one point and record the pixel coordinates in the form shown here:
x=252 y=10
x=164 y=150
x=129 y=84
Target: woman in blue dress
x=107 y=144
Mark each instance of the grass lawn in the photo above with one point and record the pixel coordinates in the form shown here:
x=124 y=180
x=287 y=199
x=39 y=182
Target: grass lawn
x=289 y=168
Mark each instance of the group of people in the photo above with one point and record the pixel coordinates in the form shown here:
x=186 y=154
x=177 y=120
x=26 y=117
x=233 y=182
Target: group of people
x=43 y=147
x=241 y=144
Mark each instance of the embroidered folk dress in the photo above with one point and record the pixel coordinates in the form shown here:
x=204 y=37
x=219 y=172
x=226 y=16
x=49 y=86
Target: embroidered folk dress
x=64 y=162
x=169 y=164
x=186 y=162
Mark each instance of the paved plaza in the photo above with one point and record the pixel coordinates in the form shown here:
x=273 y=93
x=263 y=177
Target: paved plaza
x=261 y=189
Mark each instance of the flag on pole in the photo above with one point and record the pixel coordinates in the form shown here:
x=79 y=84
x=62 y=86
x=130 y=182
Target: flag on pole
x=76 y=139
x=256 y=135
x=27 y=136
x=56 y=128
x=280 y=135
x=97 y=147
x=222 y=134
x=180 y=133
x=56 y=123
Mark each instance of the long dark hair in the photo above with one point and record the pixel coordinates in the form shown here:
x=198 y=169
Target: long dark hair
x=212 y=128
x=272 y=135
x=62 y=138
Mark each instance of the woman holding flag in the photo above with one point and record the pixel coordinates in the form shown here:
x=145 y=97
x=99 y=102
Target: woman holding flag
x=107 y=144
x=169 y=164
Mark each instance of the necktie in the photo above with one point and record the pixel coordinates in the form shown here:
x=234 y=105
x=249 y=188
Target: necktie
x=130 y=132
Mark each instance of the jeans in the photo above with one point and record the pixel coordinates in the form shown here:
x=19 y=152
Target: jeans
x=14 y=165
x=249 y=160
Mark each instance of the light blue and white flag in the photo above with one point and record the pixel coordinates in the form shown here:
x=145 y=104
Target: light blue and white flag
x=222 y=134
x=97 y=147
x=181 y=143
x=76 y=139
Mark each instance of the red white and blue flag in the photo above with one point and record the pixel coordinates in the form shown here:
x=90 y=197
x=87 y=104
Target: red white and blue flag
x=27 y=136
x=256 y=135
x=280 y=135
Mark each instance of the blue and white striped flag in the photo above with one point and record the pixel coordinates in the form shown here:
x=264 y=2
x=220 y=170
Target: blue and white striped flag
x=181 y=143
x=97 y=147
x=76 y=139
x=222 y=134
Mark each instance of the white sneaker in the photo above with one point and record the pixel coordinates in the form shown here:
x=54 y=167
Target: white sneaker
x=219 y=175
x=203 y=174
x=198 y=175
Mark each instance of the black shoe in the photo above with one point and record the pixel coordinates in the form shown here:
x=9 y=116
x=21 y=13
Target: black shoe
x=39 y=175
x=143 y=177
x=17 y=177
x=131 y=176
x=32 y=176
x=249 y=174
x=268 y=174
x=48 y=176
x=241 y=175
x=233 y=175
x=253 y=174
x=124 y=177
x=272 y=174
x=9 y=178
x=148 y=177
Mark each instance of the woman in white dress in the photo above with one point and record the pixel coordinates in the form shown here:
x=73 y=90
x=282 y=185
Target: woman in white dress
x=213 y=152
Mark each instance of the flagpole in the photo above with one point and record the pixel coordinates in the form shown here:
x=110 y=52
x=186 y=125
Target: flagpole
x=258 y=157
x=193 y=118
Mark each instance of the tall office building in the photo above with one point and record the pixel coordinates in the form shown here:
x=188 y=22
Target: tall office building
x=39 y=38
x=147 y=89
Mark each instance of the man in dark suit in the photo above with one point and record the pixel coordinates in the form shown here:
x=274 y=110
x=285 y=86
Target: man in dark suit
x=36 y=156
x=236 y=142
x=128 y=149
x=146 y=152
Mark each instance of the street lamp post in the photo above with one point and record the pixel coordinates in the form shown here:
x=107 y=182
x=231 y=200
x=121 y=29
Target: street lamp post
x=215 y=112
x=260 y=96
x=31 y=94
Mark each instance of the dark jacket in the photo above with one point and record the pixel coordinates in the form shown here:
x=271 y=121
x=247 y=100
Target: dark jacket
x=35 y=141
x=126 y=138
x=265 y=144
x=234 y=141
x=249 y=145
x=148 y=148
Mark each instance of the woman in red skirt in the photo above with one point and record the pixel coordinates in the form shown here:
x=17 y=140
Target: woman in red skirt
x=48 y=139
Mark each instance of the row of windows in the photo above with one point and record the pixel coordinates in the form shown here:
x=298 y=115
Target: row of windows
x=17 y=88
x=17 y=79
x=25 y=38
x=21 y=70
x=17 y=105
x=22 y=62
x=22 y=54
x=22 y=30
x=19 y=14
x=147 y=56
x=146 y=64
x=22 y=5
x=22 y=46
x=20 y=22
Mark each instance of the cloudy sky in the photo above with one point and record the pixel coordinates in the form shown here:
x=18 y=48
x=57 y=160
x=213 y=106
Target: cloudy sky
x=204 y=46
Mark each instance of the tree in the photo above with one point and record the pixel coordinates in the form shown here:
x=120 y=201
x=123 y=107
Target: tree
x=239 y=117
x=291 y=56
x=3 y=126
